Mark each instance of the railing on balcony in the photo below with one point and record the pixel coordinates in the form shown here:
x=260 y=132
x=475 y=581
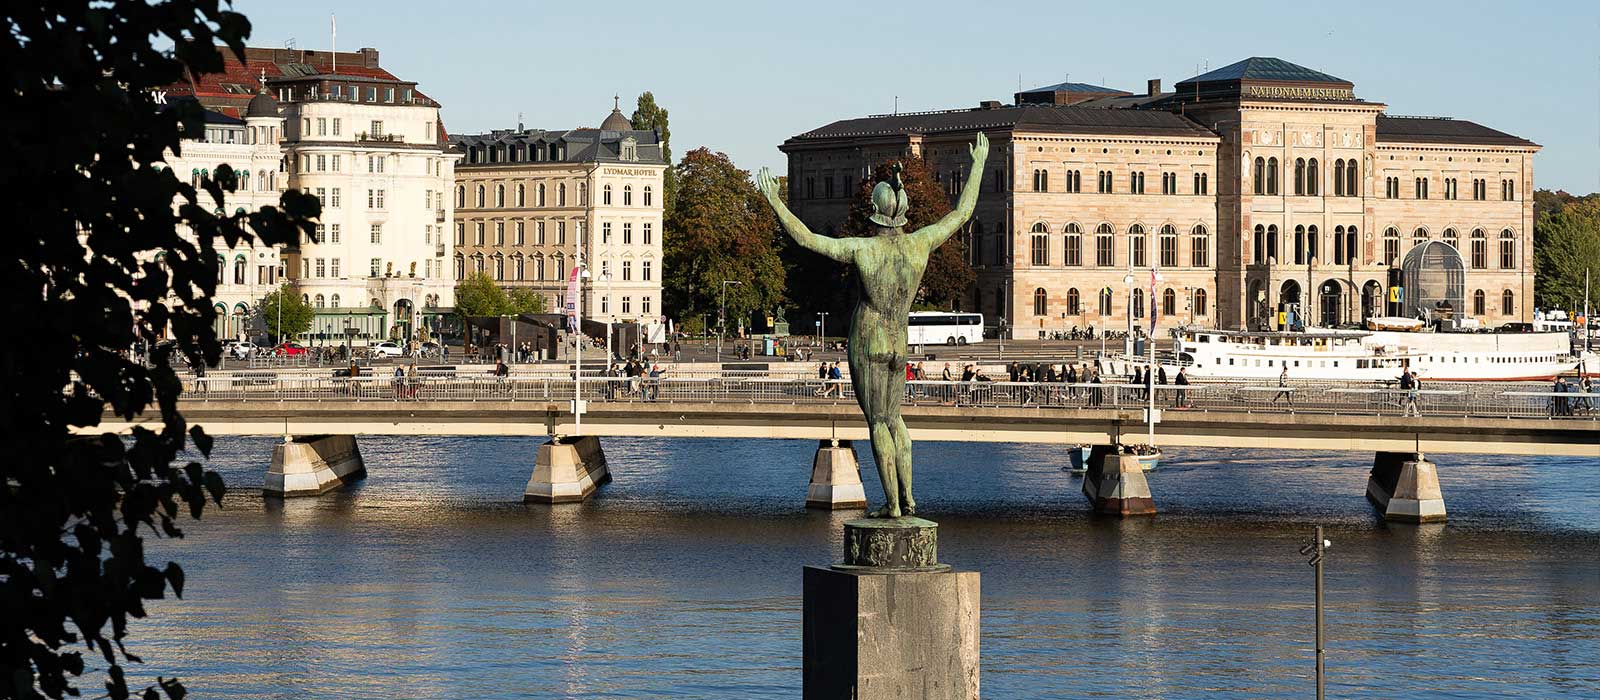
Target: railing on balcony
x=380 y=138
x=438 y=216
x=438 y=250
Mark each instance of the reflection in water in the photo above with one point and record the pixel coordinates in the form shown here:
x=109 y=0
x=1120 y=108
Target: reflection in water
x=432 y=579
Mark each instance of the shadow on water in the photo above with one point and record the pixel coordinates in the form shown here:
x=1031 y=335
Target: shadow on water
x=682 y=576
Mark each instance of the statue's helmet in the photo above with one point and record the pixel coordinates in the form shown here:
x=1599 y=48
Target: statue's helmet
x=889 y=203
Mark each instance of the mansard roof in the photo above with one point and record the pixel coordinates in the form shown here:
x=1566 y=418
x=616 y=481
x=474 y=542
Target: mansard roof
x=1265 y=68
x=583 y=145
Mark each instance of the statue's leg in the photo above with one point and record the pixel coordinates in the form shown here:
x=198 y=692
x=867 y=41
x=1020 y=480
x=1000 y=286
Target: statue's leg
x=883 y=452
x=866 y=379
x=902 y=442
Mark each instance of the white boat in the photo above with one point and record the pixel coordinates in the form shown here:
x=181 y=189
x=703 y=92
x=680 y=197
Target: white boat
x=1080 y=454
x=1372 y=355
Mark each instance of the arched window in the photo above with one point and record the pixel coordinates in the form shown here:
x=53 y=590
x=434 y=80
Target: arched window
x=480 y=196
x=1199 y=302
x=561 y=194
x=334 y=301
x=1313 y=180
x=627 y=195
x=1299 y=245
x=1338 y=178
x=1313 y=244
x=1072 y=246
x=1169 y=302
x=605 y=197
x=1508 y=303
x=1261 y=176
x=1480 y=250
x=1391 y=245
x=1103 y=247
x=522 y=195
x=1138 y=302
x=461 y=196
x=1260 y=245
x=1272 y=176
x=500 y=196
x=321 y=303
x=1272 y=243
x=538 y=195
x=1452 y=238
x=1199 y=247
x=1352 y=182
x=1105 y=301
x=649 y=195
x=1508 y=250
x=1041 y=305
x=583 y=194
x=1299 y=176
x=238 y=269
x=1073 y=306
x=1419 y=236
x=1351 y=245
x=1169 y=246
x=1040 y=245
x=1338 y=243
x=1479 y=303
x=1136 y=246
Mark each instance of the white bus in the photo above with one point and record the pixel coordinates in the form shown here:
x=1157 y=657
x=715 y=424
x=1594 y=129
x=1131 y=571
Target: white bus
x=943 y=328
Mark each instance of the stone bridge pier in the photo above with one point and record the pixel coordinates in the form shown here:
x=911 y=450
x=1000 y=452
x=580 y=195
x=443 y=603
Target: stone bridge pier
x=1115 y=483
x=567 y=470
x=313 y=464
x=1404 y=486
x=835 y=477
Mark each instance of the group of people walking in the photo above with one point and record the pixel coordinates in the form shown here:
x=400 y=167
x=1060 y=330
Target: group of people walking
x=633 y=378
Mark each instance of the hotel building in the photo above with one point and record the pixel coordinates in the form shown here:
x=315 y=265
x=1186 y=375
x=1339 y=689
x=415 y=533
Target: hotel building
x=530 y=203
x=1247 y=189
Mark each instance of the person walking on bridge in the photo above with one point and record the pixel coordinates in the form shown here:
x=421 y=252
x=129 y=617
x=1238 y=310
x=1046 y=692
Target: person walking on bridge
x=1283 y=387
x=1182 y=380
x=1411 y=385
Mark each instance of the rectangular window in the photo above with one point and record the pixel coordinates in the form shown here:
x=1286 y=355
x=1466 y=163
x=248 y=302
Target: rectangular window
x=538 y=233
x=377 y=233
x=647 y=233
x=477 y=232
x=380 y=199
x=388 y=94
x=644 y=306
x=377 y=267
x=333 y=233
x=1136 y=250
x=1169 y=251
x=644 y=273
x=605 y=233
x=499 y=233
x=322 y=197
x=520 y=239
x=318 y=237
x=322 y=126
x=322 y=163
x=627 y=271
x=336 y=120
x=627 y=304
x=627 y=233
x=372 y=199
x=461 y=234
x=333 y=201
x=561 y=232
x=333 y=268
x=322 y=267
x=427 y=234
x=1103 y=251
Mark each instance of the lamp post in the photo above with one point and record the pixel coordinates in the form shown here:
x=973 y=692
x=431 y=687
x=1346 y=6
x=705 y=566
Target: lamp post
x=1150 y=362
x=822 y=328
x=605 y=274
x=1127 y=342
x=577 y=352
x=722 y=316
x=1314 y=550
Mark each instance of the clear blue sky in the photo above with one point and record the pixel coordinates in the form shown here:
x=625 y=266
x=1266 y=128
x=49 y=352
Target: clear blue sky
x=740 y=77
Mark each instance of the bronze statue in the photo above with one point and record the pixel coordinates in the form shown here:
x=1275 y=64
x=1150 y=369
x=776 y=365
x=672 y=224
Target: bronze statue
x=889 y=265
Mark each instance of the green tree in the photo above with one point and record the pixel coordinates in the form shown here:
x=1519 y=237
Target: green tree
x=91 y=212
x=296 y=314
x=648 y=115
x=1567 y=244
x=478 y=295
x=523 y=300
x=720 y=230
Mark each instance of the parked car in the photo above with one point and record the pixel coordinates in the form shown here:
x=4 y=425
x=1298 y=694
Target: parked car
x=387 y=348
x=430 y=349
x=239 y=349
x=290 y=349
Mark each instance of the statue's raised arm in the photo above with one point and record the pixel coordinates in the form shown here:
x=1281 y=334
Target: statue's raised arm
x=935 y=234
x=840 y=249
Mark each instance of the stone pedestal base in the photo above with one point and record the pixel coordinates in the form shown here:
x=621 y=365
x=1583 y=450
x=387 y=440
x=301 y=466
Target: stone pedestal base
x=891 y=622
x=1404 y=486
x=835 y=478
x=1115 y=484
x=567 y=470
x=310 y=465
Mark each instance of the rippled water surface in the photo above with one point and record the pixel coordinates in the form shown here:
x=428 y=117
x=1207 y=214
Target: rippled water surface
x=683 y=577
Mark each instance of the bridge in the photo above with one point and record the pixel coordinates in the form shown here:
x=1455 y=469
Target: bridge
x=320 y=416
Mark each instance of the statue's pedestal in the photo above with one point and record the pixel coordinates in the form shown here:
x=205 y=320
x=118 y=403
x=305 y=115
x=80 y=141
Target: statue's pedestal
x=891 y=621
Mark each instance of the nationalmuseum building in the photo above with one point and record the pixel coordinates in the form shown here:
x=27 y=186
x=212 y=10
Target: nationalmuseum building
x=1247 y=189
x=530 y=203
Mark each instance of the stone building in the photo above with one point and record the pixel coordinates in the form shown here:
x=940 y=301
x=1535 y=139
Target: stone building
x=1247 y=189
x=371 y=147
x=530 y=203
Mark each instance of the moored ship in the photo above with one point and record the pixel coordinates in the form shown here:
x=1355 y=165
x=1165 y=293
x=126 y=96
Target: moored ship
x=1374 y=355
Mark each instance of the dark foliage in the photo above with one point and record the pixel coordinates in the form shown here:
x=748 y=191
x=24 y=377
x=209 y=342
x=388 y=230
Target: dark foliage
x=87 y=212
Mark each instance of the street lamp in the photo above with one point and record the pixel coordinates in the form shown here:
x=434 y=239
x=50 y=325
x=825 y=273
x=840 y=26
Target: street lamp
x=577 y=352
x=605 y=274
x=1314 y=551
x=1127 y=341
x=722 y=316
x=1150 y=362
x=822 y=327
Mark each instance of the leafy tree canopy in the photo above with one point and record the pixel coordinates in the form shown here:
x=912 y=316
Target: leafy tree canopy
x=720 y=229
x=83 y=140
x=478 y=295
x=296 y=315
x=648 y=115
x=1566 y=245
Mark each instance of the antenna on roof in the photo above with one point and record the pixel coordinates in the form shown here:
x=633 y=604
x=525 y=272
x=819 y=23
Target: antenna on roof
x=897 y=105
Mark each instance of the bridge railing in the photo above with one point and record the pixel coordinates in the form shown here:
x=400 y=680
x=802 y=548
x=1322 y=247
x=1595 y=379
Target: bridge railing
x=1496 y=400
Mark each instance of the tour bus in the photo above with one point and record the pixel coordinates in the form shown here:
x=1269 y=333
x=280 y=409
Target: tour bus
x=943 y=328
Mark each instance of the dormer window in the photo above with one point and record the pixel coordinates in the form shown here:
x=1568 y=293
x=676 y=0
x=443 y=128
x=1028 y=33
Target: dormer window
x=630 y=149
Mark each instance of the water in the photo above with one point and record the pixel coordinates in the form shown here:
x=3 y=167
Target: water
x=682 y=577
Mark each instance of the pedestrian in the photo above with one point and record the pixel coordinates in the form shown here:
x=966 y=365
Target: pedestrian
x=1558 y=403
x=1072 y=380
x=1097 y=395
x=1409 y=385
x=398 y=384
x=1586 y=387
x=1283 y=387
x=835 y=381
x=822 y=377
x=1181 y=380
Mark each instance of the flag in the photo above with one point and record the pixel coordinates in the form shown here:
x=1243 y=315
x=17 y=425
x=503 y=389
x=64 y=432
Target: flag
x=572 y=299
x=1152 y=303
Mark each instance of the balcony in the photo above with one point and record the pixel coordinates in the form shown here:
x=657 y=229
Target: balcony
x=438 y=216
x=380 y=138
x=438 y=250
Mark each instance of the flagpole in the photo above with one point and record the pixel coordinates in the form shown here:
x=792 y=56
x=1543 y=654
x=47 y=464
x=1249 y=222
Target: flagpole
x=333 y=24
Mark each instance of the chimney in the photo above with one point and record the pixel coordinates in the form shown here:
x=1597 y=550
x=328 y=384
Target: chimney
x=369 y=57
x=989 y=104
x=1153 y=87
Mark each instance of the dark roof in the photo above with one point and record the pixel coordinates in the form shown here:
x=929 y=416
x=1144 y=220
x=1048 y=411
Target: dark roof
x=1443 y=130
x=1078 y=87
x=616 y=122
x=1265 y=68
x=1069 y=119
x=262 y=105
x=583 y=145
